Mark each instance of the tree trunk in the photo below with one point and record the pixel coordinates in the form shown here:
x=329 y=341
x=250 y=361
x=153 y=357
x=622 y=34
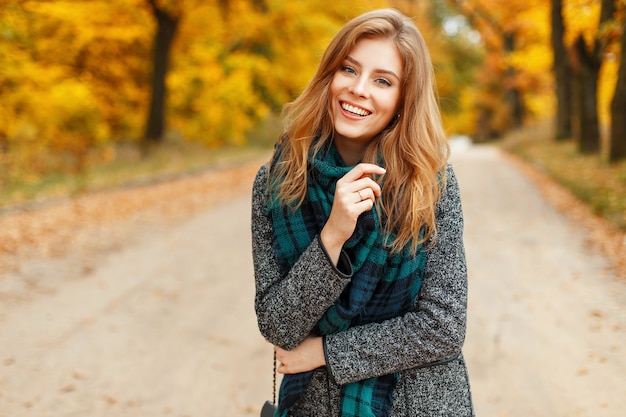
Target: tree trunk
x=562 y=75
x=617 y=148
x=512 y=94
x=166 y=30
x=587 y=70
x=587 y=64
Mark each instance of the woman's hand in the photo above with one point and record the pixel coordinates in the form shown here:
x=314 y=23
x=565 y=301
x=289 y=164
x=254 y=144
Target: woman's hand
x=355 y=193
x=307 y=356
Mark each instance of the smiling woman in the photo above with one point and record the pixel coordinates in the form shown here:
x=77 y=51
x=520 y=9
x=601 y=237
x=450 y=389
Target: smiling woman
x=365 y=94
x=357 y=228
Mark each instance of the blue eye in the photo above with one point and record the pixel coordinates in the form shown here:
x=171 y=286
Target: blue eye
x=348 y=69
x=384 y=82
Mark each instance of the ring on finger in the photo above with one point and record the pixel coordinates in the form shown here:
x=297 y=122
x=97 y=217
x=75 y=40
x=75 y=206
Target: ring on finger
x=360 y=196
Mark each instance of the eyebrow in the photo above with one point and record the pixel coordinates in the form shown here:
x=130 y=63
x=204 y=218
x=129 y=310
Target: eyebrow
x=377 y=70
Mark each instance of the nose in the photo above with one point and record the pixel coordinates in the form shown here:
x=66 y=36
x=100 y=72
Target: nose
x=358 y=87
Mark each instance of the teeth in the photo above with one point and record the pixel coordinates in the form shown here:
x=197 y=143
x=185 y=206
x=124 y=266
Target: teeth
x=354 y=110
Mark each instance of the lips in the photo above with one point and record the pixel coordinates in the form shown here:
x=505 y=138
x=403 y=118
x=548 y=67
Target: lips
x=357 y=111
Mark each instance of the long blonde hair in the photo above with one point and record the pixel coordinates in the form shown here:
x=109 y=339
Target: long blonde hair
x=413 y=148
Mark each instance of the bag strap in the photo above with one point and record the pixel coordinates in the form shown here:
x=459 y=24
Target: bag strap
x=274 y=387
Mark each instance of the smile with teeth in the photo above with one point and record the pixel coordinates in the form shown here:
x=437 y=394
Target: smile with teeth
x=355 y=110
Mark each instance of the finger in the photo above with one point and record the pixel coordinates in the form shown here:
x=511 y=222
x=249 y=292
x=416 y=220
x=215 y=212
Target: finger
x=283 y=368
x=366 y=194
x=363 y=170
x=364 y=205
x=280 y=369
x=367 y=184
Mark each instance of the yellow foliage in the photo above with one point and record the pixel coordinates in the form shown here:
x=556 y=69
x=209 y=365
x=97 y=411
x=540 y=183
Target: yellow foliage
x=71 y=81
x=463 y=122
x=76 y=75
x=518 y=56
x=606 y=87
x=581 y=17
x=534 y=59
x=224 y=80
x=528 y=66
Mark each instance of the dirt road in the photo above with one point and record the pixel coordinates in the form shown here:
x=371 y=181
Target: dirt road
x=158 y=320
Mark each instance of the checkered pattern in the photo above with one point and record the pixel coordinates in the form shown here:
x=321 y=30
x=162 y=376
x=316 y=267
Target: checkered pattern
x=383 y=285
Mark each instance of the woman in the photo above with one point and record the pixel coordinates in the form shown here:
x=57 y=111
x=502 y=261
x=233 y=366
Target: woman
x=359 y=262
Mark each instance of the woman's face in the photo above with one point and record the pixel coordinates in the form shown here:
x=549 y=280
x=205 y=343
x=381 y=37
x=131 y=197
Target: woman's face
x=365 y=92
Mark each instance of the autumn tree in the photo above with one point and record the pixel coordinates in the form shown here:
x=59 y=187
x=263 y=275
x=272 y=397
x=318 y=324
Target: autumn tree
x=587 y=61
x=515 y=64
x=167 y=19
x=69 y=82
x=562 y=74
x=500 y=38
x=75 y=75
x=617 y=148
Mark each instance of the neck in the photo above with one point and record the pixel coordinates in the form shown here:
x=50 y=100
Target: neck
x=351 y=153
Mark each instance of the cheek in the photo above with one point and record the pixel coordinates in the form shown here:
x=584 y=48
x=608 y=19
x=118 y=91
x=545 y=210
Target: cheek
x=393 y=103
x=396 y=100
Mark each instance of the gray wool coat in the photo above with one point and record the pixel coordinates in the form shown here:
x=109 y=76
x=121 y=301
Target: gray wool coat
x=424 y=345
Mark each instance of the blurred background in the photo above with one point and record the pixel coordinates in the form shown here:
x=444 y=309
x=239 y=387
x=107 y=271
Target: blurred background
x=131 y=130
x=96 y=93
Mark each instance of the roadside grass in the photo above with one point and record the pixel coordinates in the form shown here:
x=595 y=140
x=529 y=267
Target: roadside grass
x=600 y=185
x=126 y=166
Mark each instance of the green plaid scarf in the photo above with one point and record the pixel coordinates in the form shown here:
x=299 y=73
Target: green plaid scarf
x=383 y=285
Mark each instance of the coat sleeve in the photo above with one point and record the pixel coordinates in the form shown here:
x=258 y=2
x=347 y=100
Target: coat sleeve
x=288 y=308
x=433 y=330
